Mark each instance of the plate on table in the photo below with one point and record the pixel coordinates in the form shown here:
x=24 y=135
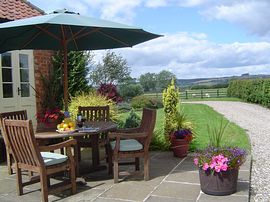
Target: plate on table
x=66 y=131
x=88 y=129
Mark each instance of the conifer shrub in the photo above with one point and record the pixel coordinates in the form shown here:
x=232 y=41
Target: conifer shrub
x=171 y=99
x=133 y=120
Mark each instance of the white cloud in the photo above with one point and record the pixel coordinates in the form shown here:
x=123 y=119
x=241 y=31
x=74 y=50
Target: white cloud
x=192 y=3
x=115 y=10
x=253 y=15
x=190 y=56
x=156 y=3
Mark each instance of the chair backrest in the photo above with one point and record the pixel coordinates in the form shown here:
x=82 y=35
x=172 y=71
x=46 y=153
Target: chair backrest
x=148 y=125
x=95 y=113
x=22 y=142
x=15 y=115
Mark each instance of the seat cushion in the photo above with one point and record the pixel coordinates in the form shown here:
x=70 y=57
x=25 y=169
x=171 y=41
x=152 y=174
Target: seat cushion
x=128 y=145
x=53 y=158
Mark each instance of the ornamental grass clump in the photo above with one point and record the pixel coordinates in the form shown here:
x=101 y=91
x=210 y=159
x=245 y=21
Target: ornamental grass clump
x=92 y=99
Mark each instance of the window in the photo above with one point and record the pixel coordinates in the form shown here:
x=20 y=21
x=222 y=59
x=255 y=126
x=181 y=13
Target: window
x=24 y=75
x=7 y=75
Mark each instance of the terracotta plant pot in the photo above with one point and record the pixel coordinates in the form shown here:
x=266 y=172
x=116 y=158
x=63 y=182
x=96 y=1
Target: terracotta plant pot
x=179 y=147
x=219 y=184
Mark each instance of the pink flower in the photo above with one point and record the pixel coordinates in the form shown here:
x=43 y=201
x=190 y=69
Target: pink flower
x=224 y=167
x=213 y=164
x=217 y=168
x=205 y=166
x=196 y=161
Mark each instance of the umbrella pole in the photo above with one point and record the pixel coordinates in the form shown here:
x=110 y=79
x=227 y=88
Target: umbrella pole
x=65 y=76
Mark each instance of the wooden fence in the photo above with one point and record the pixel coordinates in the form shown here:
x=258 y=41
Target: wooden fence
x=197 y=94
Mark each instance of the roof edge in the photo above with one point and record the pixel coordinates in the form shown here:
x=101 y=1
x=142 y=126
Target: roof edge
x=34 y=7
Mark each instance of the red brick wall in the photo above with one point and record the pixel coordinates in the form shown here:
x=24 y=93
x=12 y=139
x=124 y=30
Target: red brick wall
x=42 y=64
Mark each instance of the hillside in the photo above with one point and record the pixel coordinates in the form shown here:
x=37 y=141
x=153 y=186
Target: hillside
x=214 y=81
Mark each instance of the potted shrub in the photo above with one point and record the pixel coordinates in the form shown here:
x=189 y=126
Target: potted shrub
x=182 y=136
x=219 y=165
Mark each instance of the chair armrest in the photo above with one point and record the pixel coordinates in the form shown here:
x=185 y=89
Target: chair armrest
x=127 y=135
x=68 y=143
x=127 y=130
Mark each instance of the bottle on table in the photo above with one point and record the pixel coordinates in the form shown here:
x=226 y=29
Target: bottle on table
x=79 y=120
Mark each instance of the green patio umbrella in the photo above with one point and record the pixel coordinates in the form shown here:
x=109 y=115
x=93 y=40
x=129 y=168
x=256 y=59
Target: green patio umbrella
x=68 y=31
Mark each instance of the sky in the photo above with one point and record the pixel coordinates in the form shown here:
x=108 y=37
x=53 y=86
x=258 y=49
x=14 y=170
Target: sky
x=202 y=38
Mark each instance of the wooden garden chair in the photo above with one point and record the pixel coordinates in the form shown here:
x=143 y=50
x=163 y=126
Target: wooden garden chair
x=132 y=143
x=15 y=115
x=28 y=156
x=92 y=114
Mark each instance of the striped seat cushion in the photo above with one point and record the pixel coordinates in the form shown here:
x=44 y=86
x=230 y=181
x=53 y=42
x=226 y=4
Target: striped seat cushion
x=128 y=145
x=53 y=158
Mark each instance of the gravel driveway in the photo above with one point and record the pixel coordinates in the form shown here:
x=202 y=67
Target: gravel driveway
x=256 y=120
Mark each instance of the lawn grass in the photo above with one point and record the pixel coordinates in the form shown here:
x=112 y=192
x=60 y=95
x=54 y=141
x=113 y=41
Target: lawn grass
x=201 y=115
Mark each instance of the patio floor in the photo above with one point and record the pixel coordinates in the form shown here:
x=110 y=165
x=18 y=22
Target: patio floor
x=171 y=179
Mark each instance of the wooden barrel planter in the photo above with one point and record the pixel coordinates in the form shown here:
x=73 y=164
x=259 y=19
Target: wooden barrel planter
x=219 y=184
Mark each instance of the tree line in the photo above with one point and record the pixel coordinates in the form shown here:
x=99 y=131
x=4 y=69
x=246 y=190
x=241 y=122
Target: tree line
x=84 y=75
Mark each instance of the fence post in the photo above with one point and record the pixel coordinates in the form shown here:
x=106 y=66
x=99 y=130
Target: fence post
x=201 y=94
x=186 y=94
x=217 y=92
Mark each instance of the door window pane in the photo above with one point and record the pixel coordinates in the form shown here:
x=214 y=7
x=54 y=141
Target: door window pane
x=25 y=91
x=6 y=59
x=7 y=90
x=24 y=75
x=23 y=61
x=6 y=75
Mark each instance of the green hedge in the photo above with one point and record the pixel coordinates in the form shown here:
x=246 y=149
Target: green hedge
x=142 y=101
x=255 y=90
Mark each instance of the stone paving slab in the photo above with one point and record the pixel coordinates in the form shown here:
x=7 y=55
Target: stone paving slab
x=171 y=180
x=232 y=198
x=178 y=190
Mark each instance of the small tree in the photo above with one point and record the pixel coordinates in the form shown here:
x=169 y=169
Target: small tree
x=148 y=81
x=170 y=102
x=164 y=78
x=113 y=69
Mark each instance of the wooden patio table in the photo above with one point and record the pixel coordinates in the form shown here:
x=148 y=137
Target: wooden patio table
x=100 y=127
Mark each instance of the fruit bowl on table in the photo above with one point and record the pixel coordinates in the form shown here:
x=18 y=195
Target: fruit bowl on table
x=66 y=131
x=67 y=126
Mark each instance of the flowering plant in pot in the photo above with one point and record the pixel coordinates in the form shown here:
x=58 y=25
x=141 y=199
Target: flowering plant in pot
x=181 y=136
x=219 y=165
x=51 y=117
